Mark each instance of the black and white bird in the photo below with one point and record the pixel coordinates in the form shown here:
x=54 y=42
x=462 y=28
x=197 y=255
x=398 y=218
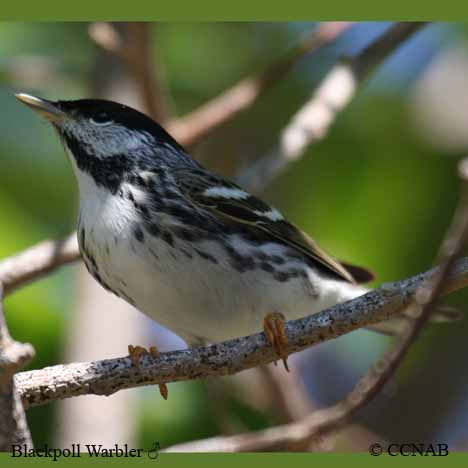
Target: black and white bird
x=190 y=249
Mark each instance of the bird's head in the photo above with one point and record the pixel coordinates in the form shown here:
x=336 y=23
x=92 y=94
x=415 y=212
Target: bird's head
x=106 y=139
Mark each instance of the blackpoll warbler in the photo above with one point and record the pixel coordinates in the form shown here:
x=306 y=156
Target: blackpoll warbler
x=188 y=248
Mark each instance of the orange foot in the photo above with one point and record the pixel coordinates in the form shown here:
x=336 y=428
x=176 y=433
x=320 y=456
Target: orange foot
x=273 y=325
x=135 y=352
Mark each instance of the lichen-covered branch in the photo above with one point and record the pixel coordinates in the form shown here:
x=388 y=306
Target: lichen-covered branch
x=111 y=375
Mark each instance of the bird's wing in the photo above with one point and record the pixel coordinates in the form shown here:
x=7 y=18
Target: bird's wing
x=226 y=199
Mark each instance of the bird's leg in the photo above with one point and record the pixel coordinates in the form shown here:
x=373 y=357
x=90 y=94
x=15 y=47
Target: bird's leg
x=136 y=351
x=273 y=326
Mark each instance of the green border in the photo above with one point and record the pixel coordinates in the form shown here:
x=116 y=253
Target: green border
x=272 y=460
x=238 y=10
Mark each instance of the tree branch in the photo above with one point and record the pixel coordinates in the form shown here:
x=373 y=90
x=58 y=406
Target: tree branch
x=13 y=356
x=313 y=120
x=111 y=375
x=134 y=47
x=37 y=261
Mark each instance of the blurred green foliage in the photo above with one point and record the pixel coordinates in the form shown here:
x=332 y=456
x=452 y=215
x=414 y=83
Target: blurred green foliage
x=371 y=193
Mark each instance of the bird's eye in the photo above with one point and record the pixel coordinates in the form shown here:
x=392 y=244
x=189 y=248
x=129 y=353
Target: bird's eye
x=100 y=119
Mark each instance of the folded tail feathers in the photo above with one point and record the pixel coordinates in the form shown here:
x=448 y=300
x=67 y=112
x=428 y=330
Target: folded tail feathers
x=360 y=275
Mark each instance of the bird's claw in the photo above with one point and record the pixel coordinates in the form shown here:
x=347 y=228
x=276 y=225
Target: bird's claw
x=135 y=353
x=273 y=326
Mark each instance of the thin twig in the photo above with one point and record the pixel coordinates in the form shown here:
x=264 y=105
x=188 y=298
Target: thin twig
x=37 y=261
x=287 y=393
x=134 y=47
x=289 y=401
x=313 y=120
x=140 y=60
x=111 y=375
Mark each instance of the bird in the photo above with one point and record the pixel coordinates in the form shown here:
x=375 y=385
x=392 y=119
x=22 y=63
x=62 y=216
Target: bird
x=187 y=247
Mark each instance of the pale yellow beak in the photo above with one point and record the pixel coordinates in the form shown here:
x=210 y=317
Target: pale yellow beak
x=45 y=108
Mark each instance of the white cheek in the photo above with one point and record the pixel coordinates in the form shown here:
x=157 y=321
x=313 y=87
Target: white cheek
x=109 y=140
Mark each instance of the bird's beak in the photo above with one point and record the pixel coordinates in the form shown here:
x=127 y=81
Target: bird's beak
x=47 y=109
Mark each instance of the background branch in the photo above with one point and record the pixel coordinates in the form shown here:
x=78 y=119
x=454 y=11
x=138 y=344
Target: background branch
x=135 y=49
x=13 y=356
x=313 y=120
x=37 y=261
x=191 y=128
